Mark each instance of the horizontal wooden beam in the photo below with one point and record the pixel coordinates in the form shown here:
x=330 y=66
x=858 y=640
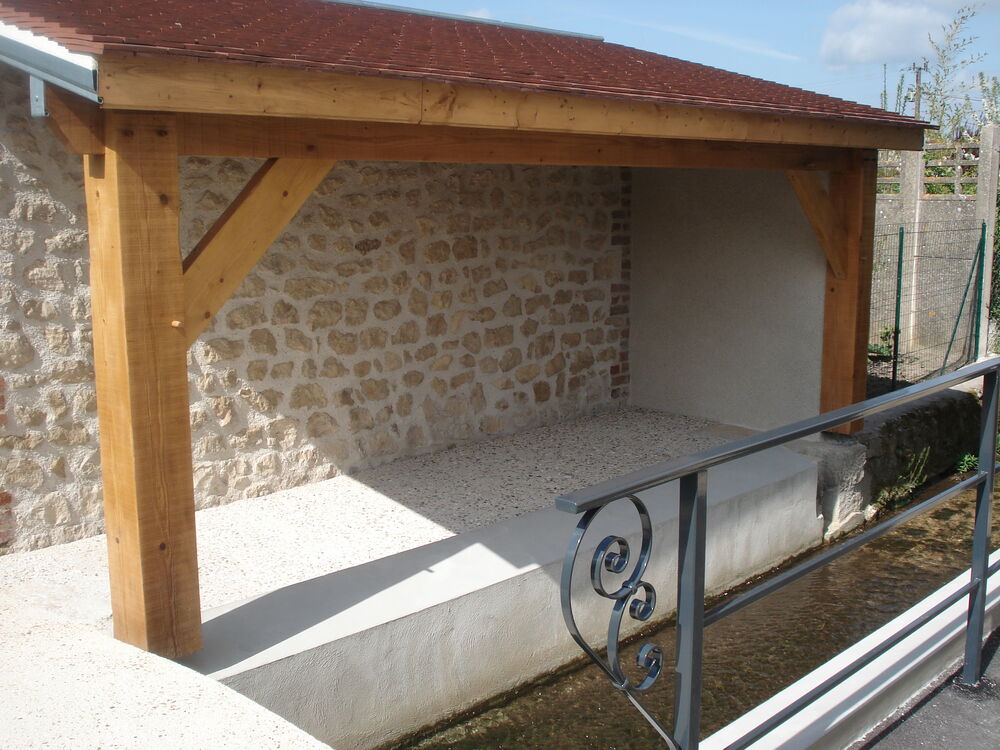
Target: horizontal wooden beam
x=159 y=83
x=237 y=240
x=277 y=137
x=826 y=221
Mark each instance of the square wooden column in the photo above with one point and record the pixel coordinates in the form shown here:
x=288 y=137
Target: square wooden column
x=847 y=305
x=140 y=354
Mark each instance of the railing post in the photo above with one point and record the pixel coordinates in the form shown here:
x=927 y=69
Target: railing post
x=972 y=671
x=690 y=608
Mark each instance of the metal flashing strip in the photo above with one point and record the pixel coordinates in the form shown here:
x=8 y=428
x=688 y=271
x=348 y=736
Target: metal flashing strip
x=470 y=19
x=50 y=68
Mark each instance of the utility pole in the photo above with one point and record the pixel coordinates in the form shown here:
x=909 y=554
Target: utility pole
x=884 y=102
x=917 y=69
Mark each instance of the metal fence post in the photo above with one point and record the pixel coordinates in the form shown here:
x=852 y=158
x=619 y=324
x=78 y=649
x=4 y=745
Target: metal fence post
x=980 y=272
x=972 y=671
x=690 y=608
x=899 y=302
x=980 y=248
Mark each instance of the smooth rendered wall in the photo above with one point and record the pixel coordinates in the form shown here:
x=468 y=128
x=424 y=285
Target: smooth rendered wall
x=727 y=297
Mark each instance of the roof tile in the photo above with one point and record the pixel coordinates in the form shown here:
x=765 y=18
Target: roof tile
x=362 y=39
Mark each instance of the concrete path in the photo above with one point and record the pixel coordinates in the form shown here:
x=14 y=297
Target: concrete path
x=952 y=716
x=69 y=687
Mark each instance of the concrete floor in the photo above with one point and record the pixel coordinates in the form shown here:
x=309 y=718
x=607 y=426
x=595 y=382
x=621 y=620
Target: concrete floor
x=257 y=545
x=69 y=684
x=952 y=716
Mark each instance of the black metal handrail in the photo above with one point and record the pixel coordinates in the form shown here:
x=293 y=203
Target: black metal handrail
x=637 y=598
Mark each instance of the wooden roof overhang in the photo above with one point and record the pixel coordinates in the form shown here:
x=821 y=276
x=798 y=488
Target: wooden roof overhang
x=150 y=302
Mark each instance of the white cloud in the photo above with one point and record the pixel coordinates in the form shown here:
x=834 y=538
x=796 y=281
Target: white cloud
x=725 y=40
x=883 y=31
x=705 y=35
x=480 y=13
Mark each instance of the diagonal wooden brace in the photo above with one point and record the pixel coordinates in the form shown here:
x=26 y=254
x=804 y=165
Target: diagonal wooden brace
x=234 y=244
x=824 y=217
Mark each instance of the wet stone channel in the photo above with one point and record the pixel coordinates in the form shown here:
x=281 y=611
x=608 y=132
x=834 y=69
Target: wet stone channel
x=748 y=657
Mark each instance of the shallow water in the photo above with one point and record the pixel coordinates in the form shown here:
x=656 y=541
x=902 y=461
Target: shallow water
x=748 y=656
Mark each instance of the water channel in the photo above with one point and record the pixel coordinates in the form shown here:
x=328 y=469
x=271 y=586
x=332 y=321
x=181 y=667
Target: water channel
x=748 y=656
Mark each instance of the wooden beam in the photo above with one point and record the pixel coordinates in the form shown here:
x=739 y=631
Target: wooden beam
x=78 y=123
x=176 y=85
x=847 y=304
x=142 y=387
x=270 y=137
x=205 y=86
x=234 y=244
x=826 y=221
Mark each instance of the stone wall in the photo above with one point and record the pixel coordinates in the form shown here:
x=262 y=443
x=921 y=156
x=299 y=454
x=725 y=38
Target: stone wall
x=407 y=308
x=942 y=234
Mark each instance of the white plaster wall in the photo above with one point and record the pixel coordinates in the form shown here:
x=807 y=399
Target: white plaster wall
x=727 y=297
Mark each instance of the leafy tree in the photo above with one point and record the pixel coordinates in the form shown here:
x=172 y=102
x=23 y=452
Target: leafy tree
x=947 y=91
x=989 y=91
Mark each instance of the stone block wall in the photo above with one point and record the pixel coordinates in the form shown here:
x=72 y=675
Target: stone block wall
x=406 y=309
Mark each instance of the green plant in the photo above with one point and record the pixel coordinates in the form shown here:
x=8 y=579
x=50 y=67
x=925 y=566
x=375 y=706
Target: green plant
x=883 y=350
x=898 y=493
x=967 y=463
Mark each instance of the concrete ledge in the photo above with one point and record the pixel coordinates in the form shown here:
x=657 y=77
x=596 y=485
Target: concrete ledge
x=433 y=630
x=862 y=701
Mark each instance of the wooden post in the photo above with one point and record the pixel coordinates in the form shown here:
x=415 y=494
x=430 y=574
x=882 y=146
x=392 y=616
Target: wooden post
x=140 y=351
x=847 y=304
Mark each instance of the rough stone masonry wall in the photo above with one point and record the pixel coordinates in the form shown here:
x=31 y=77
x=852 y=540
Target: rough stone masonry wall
x=407 y=308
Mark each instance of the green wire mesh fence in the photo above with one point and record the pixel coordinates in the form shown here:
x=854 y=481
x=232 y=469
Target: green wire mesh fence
x=927 y=292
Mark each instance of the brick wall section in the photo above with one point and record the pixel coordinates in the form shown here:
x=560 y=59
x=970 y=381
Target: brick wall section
x=621 y=240
x=406 y=309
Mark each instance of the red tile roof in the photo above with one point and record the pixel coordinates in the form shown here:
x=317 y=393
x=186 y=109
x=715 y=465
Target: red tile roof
x=371 y=40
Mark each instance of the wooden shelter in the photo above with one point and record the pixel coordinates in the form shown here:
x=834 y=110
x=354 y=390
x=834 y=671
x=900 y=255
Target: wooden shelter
x=130 y=86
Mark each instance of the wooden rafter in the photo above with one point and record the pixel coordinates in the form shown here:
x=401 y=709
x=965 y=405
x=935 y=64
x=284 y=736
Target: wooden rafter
x=234 y=244
x=161 y=84
x=133 y=202
x=826 y=220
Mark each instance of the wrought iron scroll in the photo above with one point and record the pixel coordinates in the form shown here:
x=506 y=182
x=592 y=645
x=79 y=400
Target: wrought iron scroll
x=634 y=596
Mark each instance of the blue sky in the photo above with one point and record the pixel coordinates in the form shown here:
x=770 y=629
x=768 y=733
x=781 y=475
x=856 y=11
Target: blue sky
x=836 y=47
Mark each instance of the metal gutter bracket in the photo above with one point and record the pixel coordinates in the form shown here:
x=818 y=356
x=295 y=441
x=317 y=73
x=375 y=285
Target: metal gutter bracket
x=36 y=93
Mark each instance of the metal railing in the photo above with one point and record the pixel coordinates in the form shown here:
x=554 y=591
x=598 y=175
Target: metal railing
x=636 y=598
